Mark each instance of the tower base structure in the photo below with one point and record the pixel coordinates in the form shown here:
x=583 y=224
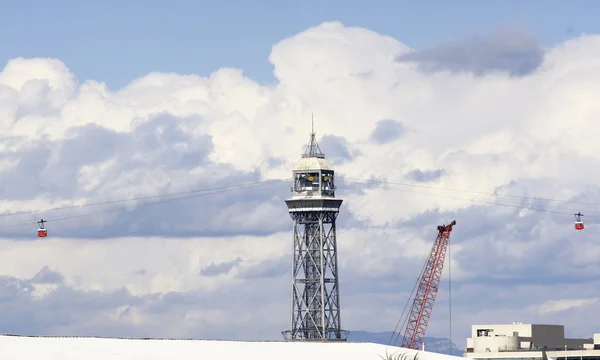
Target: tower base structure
x=289 y=336
x=315 y=305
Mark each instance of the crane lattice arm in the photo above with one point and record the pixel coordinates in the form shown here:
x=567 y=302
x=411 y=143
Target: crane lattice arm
x=427 y=290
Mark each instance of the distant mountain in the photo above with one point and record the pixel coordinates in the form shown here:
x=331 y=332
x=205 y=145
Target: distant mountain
x=436 y=345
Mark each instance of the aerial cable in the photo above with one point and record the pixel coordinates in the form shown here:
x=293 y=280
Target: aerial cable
x=209 y=191
x=5 y=214
x=225 y=189
x=193 y=195
x=232 y=187
x=513 y=205
x=468 y=191
x=280 y=180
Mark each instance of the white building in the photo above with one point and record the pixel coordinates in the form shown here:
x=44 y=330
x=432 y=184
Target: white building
x=519 y=341
x=64 y=348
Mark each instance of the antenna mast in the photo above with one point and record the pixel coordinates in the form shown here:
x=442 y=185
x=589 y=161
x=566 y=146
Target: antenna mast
x=313 y=149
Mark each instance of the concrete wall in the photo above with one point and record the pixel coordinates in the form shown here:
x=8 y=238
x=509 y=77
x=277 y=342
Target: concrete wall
x=552 y=336
x=535 y=355
x=519 y=335
x=578 y=343
x=496 y=343
x=524 y=330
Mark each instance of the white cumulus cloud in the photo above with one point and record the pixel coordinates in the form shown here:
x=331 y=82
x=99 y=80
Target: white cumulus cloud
x=217 y=264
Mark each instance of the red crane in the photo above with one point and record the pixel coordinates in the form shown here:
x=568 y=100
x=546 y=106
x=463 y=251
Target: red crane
x=427 y=290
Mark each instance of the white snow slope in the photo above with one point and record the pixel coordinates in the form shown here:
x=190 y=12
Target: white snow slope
x=65 y=348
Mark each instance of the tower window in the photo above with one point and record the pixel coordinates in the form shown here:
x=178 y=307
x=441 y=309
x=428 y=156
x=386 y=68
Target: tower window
x=304 y=182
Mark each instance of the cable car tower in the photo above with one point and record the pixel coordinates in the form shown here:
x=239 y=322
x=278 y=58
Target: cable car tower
x=315 y=303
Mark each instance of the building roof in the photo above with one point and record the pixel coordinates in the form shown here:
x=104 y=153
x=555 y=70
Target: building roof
x=312 y=163
x=65 y=348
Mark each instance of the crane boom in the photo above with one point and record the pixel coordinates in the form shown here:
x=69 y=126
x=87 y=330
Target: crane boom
x=427 y=290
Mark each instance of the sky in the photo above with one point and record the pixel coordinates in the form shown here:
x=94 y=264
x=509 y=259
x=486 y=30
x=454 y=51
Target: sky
x=483 y=113
x=118 y=41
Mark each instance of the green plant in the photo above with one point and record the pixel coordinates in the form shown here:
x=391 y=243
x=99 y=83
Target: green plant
x=401 y=356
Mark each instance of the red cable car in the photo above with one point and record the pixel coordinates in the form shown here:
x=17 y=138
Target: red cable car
x=578 y=222
x=42 y=232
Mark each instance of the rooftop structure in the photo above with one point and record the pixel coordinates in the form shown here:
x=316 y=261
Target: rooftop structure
x=66 y=348
x=525 y=341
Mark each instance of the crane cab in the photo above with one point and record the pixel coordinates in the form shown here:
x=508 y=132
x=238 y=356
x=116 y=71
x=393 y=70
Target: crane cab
x=578 y=222
x=42 y=232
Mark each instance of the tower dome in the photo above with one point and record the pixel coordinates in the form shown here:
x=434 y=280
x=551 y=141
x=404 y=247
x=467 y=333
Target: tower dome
x=313 y=176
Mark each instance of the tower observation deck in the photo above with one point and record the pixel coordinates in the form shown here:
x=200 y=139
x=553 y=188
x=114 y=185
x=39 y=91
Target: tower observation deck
x=315 y=303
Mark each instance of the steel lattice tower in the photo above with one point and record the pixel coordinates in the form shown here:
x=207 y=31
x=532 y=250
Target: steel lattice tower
x=315 y=303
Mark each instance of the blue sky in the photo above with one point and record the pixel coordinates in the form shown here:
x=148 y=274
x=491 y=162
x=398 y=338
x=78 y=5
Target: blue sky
x=117 y=41
x=462 y=112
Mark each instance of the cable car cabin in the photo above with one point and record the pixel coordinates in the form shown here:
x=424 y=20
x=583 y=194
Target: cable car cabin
x=578 y=222
x=42 y=232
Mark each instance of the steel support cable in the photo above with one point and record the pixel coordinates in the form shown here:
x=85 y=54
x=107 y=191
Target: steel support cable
x=476 y=200
x=194 y=195
x=386 y=186
x=141 y=198
x=449 y=291
x=340 y=176
x=467 y=191
x=234 y=187
x=401 y=324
